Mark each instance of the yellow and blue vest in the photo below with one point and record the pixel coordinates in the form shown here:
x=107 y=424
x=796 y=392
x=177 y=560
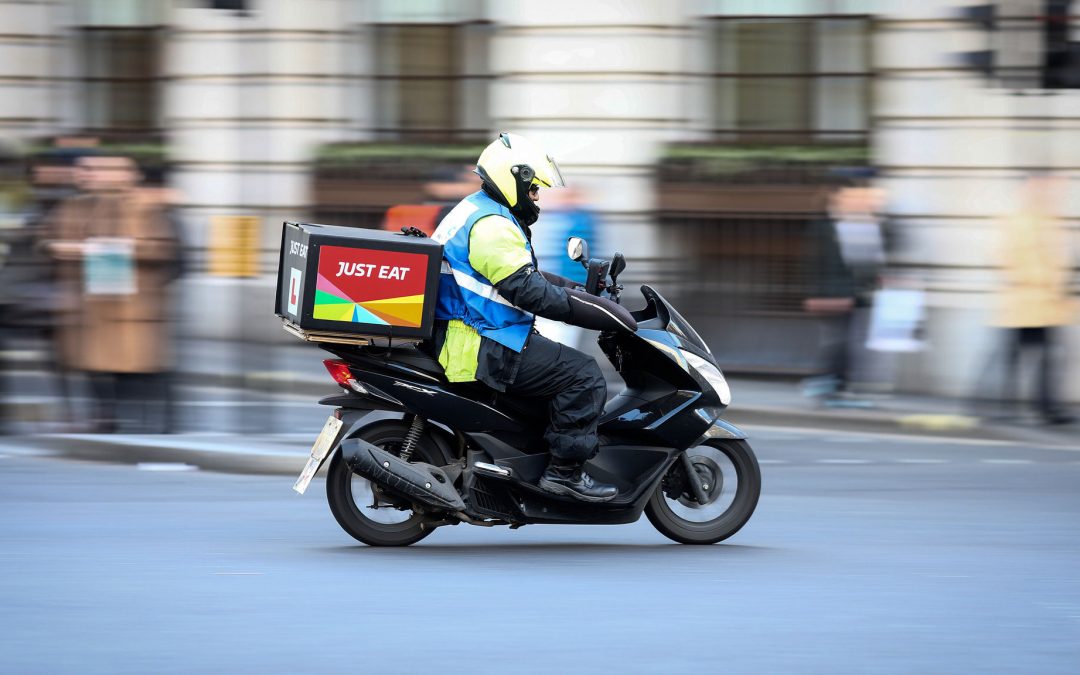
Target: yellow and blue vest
x=474 y=260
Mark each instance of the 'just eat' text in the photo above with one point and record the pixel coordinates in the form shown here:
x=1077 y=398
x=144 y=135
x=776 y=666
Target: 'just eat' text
x=371 y=270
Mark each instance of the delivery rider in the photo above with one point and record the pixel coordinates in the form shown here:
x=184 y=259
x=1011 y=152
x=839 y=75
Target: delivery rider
x=489 y=291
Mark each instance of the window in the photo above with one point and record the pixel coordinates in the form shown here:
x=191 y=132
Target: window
x=1061 y=58
x=791 y=79
x=432 y=81
x=122 y=80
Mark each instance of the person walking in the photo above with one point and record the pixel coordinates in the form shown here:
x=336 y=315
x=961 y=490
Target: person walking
x=115 y=252
x=1034 y=303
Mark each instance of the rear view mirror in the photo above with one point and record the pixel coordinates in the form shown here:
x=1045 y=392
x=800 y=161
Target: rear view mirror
x=618 y=264
x=577 y=249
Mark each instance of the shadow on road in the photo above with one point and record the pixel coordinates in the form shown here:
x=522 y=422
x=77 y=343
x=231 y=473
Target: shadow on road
x=538 y=550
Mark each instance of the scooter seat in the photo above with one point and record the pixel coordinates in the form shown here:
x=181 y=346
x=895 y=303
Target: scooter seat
x=414 y=358
x=519 y=407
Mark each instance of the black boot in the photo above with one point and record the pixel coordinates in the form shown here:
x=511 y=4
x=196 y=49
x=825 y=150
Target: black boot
x=571 y=480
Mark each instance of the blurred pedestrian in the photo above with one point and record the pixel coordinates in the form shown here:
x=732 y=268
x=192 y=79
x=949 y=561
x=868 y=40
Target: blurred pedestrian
x=1034 y=303
x=115 y=253
x=39 y=300
x=568 y=216
x=446 y=187
x=850 y=247
x=157 y=192
x=12 y=238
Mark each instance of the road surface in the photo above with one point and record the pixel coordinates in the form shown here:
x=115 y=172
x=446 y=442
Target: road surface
x=868 y=554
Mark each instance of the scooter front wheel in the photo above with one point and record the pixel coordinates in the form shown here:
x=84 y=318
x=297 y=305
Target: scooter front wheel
x=730 y=478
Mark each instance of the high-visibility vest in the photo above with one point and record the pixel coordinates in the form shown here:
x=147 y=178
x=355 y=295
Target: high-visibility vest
x=465 y=294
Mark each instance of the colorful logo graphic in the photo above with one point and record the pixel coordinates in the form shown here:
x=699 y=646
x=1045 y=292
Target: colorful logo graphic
x=361 y=285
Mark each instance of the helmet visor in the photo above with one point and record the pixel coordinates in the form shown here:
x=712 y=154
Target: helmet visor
x=548 y=173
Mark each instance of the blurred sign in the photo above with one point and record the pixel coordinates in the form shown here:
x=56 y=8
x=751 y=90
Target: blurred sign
x=109 y=266
x=234 y=246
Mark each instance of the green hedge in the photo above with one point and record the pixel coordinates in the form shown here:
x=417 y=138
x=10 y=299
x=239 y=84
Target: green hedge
x=759 y=163
x=366 y=153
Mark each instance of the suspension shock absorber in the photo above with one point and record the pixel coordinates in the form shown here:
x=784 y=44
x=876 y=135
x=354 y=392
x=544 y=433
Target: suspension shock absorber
x=412 y=437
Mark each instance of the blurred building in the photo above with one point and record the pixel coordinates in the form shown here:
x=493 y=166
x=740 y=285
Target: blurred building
x=690 y=124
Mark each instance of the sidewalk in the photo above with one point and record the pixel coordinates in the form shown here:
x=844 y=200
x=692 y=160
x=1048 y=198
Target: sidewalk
x=292 y=374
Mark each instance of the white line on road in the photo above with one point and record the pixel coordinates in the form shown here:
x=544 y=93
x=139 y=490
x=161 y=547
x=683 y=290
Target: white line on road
x=1005 y=461
x=772 y=461
x=921 y=460
x=843 y=461
x=843 y=439
x=165 y=466
x=907 y=438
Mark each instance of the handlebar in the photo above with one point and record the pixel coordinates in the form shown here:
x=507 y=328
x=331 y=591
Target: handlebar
x=598 y=269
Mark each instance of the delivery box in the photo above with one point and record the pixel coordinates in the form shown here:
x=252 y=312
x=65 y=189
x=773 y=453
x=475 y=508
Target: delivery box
x=342 y=284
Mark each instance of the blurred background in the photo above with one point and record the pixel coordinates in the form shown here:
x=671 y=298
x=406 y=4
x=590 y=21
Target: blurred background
x=824 y=187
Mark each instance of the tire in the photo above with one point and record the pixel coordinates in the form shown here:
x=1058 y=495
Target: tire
x=342 y=485
x=665 y=517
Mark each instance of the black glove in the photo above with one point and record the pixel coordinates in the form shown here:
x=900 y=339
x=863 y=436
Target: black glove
x=595 y=313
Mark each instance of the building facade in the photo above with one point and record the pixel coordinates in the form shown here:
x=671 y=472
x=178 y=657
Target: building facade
x=242 y=93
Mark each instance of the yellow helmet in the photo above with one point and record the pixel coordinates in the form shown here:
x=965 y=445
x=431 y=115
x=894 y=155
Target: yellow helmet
x=509 y=167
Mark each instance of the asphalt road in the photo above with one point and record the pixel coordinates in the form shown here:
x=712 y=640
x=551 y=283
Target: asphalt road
x=867 y=554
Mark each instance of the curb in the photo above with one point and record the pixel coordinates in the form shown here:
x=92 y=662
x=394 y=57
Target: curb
x=207 y=453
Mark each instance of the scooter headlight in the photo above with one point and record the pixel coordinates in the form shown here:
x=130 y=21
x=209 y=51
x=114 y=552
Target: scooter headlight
x=711 y=374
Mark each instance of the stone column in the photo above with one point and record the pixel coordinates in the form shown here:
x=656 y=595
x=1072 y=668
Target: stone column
x=598 y=84
x=249 y=98
x=33 y=61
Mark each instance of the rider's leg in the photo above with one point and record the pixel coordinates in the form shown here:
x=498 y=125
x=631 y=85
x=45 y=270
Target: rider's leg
x=575 y=391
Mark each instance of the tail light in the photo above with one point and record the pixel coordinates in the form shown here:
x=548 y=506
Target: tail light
x=339 y=370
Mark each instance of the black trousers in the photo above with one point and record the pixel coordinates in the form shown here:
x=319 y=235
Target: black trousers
x=1041 y=340
x=132 y=402
x=574 y=390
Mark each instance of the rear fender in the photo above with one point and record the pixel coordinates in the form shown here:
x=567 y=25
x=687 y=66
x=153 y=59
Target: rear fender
x=359 y=421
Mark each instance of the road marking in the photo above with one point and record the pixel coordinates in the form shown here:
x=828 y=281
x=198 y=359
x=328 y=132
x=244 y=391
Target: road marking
x=772 y=461
x=165 y=466
x=921 y=460
x=843 y=461
x=909 y=438
x=1005 y=461
x=843 y=439
x=781 y=436
x=249 y=404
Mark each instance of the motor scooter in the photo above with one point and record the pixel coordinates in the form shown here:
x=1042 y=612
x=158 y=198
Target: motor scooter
x=411 y=452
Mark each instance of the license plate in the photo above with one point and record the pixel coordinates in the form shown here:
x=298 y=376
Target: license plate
x=323 y=444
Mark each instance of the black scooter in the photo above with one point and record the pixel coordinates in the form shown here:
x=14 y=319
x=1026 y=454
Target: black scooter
x=412 y=452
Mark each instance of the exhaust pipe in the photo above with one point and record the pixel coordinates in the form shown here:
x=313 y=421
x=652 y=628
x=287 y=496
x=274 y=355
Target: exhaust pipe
x=423 y=482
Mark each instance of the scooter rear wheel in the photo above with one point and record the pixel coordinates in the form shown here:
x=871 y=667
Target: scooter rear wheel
x=351 y=496
x=730 y=477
